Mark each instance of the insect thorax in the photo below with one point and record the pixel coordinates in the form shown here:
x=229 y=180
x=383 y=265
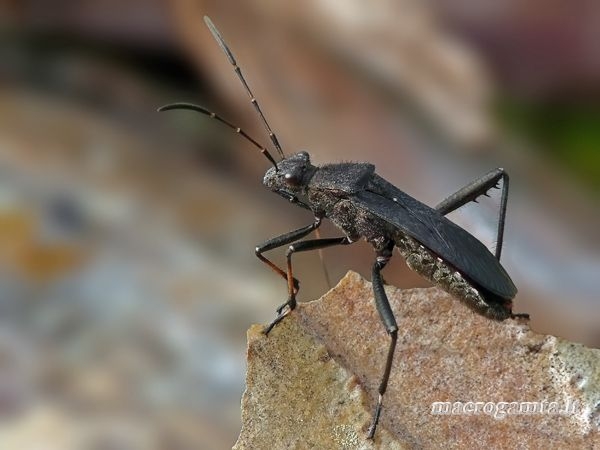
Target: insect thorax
x=430 y=266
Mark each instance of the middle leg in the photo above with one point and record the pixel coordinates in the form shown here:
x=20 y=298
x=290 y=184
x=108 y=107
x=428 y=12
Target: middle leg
x=387 y=317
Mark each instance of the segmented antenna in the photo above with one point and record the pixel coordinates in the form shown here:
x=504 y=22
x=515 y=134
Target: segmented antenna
x=238 y=71
x=212 y=115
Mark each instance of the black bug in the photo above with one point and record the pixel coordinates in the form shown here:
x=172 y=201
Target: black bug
x=364 y=205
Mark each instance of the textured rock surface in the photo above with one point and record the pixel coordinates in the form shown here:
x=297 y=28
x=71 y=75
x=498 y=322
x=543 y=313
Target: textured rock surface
x=312 y=383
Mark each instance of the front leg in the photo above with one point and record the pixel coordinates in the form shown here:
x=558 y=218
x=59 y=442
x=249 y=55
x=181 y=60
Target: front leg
x=302 y=246
x=280 y=241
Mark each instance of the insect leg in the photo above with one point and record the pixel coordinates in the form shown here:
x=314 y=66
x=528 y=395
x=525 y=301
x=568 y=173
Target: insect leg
x=387 y=317
x=302 y=246
x=323 y=266
x=475 y=189
x=280 y=241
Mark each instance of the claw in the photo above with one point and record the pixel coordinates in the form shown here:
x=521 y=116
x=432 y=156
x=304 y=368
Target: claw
x=291 y=304
x=277 y=319
x=281 y=313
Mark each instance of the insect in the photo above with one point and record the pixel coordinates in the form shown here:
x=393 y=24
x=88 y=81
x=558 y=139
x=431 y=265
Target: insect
x=364 y=205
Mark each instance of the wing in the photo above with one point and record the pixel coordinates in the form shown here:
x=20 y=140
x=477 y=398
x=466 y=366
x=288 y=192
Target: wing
x=449 y=241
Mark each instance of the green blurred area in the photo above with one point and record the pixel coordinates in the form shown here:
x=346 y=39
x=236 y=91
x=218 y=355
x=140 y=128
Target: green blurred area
x=568 y=130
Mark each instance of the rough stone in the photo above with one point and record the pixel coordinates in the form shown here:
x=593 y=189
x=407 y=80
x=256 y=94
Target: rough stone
x=312 y=383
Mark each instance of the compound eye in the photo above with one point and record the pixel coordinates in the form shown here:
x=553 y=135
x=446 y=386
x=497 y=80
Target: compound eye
x=293 y=179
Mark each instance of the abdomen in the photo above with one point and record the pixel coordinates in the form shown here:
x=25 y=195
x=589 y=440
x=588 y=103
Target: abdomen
x=430 y=266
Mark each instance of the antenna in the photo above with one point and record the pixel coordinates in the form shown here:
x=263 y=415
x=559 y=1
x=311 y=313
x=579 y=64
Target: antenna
x=212 y=115
x=217 y=35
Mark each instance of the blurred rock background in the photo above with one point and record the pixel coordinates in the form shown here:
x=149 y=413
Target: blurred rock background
x=127 y=273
